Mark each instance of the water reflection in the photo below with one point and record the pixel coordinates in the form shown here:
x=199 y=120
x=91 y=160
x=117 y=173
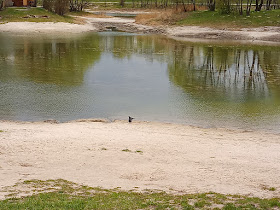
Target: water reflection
x=155 y=78
x=234 y=74
x=46 y=60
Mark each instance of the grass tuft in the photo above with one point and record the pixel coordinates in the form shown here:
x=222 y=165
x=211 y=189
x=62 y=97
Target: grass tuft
x=126 y=150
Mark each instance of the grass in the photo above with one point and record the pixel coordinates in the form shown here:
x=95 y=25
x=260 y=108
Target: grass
x=32 y=15
x=1 y=131
x=126 y=150
x=215 y=19
x=264 y=187
x=211 y=19
x=62 y=194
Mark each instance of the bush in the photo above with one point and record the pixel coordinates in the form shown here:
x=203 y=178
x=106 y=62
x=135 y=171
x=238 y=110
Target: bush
x=77 y=5
x=48 y=5
x=60 y=7
x=223 y=6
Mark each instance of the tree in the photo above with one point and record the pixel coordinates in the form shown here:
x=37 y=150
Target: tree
x=1 y=4
x=224 y=6
x=77 y=5
x=259 y=5
x=122 y=3
x=60 y=7
x=211 y=5
x=248 y=7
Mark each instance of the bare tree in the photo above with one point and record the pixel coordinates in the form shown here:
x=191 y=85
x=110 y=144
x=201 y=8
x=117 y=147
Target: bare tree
x=76 y=5
x=1 y=4
x=259 y=5
x=248 y=7
x=122 y=3
x=211 y=5
x=268 y=3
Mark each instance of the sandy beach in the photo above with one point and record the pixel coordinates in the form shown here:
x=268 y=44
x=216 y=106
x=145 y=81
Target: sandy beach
x=44 y=27
x=141 y=155
x=188 y=33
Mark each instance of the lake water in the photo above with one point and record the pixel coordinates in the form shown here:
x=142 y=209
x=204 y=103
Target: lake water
x=113 y=75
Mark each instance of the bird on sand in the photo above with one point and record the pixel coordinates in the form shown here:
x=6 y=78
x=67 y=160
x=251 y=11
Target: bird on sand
x=130 y=119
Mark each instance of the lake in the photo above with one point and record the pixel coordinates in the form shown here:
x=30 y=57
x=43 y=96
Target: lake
x=152 y=78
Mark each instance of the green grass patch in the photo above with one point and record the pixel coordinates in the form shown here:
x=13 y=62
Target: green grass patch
x=215 y=19
x=62 y=194
x=32 y=15
x=126 y=150
x=264 y=187
x=1 y=131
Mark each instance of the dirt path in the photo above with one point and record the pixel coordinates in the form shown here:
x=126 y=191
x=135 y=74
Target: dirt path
x=169 y=157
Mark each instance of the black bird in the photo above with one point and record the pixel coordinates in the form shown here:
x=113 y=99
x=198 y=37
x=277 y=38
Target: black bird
x=130 y=119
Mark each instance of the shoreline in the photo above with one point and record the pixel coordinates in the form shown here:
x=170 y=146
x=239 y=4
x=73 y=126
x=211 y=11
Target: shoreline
x=109 y=120
x=174 y=158
x=262 y=35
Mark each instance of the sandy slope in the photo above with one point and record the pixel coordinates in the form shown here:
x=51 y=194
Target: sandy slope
x=173 y=158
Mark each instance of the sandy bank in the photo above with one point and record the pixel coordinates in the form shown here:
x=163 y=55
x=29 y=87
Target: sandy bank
x=170 y=157
x=262 y=34
x=269 y=34
x=45 y=27
x=188 y=33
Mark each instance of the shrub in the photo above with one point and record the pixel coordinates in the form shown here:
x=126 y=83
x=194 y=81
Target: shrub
x=223 y=6
x=60 y=7
x=48 y=5
x=77 y=5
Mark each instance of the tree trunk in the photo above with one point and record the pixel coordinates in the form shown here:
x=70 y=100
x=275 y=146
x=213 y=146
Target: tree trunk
x=248 y=8
x=212 y=5
x=184 y=6
x=268 y=3
x=259 y=7
x=241 y=7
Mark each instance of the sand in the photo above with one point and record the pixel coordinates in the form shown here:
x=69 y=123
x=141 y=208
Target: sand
x=269 y=35
x=261 y=34
x=45 y=27
x=171 y=157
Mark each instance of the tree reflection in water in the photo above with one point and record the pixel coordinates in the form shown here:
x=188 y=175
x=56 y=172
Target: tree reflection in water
x=222 y=81
x=61 y=61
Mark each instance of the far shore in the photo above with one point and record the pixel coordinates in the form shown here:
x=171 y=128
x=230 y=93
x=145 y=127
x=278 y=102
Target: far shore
x=262 y=35
x=136 y=156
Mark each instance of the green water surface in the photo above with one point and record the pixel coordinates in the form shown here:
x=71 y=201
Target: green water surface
x=114 y=75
